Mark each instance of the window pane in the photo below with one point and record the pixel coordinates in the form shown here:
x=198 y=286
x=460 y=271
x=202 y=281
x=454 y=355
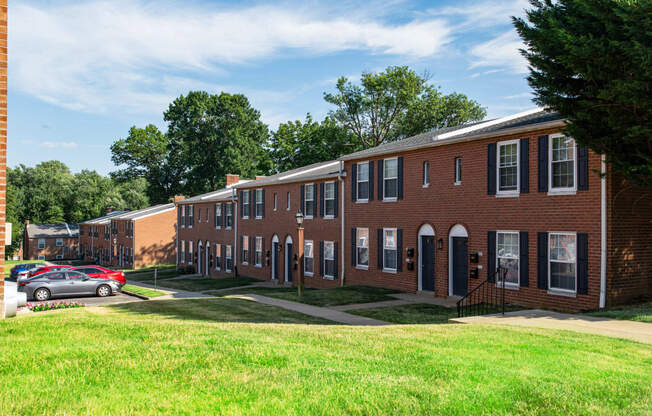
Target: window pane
x=329 y=268
x=309 y=265
x=329 y=250
x=390 y=239
x=562 y=247
x=390 y=259
x=363 y=190
x=363 y=172
x=391 y=188
x=309 y=207
x=508 y=167
x=310 y=195
x=307 y=251
x=329 y=190
x=363 y=237
x=363 y=256
x=563 y=162
x=562 y=276
x=330 y=207
x=391 y=168
x=511 y=265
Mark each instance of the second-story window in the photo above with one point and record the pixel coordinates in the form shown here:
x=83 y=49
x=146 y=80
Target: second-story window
x=390 y=179
x=363 y=182
x=458 y=171
x=229 y=215
x=508 y=167
x=288 y=204
x=309 y=200
x=275 y=201
x=329 y=199
x=426 y=173
x=246 y=206
x=562 y=163
x=218 y=215
x=260 y=203
x=59 y=242
x=41 y=243
x=191 y=215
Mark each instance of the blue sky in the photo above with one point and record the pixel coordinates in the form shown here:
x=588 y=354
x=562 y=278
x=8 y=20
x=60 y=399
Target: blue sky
x=82 y=73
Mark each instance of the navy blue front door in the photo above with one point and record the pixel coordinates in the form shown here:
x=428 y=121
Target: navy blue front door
x=275 y=261
x=460 y=266
x=428 y=263
x=289 y=264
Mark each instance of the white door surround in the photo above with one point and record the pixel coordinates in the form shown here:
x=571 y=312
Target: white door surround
x=207 y=267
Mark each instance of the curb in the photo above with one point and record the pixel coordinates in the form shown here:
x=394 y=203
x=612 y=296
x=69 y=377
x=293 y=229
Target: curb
x=136 y=295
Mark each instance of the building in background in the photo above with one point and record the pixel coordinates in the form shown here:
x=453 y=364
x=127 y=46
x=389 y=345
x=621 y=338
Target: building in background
x=95 y=238
x=51 y=242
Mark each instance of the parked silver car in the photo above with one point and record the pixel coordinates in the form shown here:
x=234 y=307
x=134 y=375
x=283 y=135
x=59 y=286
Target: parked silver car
x=66 y=284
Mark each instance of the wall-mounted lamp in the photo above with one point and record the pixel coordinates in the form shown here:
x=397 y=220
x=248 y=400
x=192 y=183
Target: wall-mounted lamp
x=440 y=244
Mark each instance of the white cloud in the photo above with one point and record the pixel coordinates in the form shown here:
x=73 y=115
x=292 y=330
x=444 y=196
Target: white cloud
x=502 y=51
x=519 y=96
x=59 y=145
x=100 y=56
x=483 y=14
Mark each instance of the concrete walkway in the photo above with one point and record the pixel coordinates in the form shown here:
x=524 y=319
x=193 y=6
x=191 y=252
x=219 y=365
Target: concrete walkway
x=317 y=311
x=170 y=293
x=636 y=331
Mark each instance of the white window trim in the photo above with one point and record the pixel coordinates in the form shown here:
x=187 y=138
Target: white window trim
x=275 y=201
x=228 y=257
x=558 y=291
x=329 y=216
x=385 y=268
x=357 y=247
x=39 y=243
x=307 y=273
x=57 y=241
x=517 y=191
x=457 y=183
x=259 y=217
x=248 y=204
x=568 y=190
x=358 y=182
x=385 y=197
x=59 y=256
x=305 y=200
x=328 y=276
x=256 y=239
x=510 y=285
x=41 y=258
x=426 y=174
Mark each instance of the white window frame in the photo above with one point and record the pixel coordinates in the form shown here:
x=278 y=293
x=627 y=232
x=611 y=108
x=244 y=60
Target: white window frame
x=426 y=174
x=256 y=240
x=248 y=204
x=358 y=247
x=358 y=182
x=458 y=170
x=565 y=190
x=218 y=213
x=312 y=245
x=259 y=201
x=305 y=200
x=275 y=201
x=326 y=214
x=385 y=268
x=228 y=216
x=554 y=289
x=245 y=242
x=289 y=200
x=59 y=256
x=385 y=179
x=183 y=253
x=41 y=243
x=59 y=242
x=511 y=192
x=41 y=257
x=510 y=285
x=326 y=275
x=228 y=256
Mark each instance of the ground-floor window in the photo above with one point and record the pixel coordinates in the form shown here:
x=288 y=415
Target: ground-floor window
x=563 y=260
x=362 y=247
x=329 y=259
x=41 y=257
x=308 y=258
x=507 y=255
x=229 y=259
x=218 y=256
x=259 y=251
x=182 y=253
x=190 y=251
x=245 y=249
x=390 y=249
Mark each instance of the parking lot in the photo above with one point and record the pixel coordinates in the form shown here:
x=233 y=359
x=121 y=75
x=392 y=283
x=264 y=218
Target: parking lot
x=96 y=300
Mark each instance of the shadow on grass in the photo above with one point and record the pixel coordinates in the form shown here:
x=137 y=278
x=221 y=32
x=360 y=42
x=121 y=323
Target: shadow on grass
x=217 y=310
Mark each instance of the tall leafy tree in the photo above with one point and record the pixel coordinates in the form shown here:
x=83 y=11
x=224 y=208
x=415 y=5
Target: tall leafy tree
x=295 y=143
x=591 y=61
x=390 y=105
x=216 y=135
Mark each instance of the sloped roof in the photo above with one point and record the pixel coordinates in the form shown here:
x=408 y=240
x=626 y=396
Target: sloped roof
x=527 y=120
x=319 y=170
x=105 y=219
x=145 y=212
x=52 y=230
x=213 y=196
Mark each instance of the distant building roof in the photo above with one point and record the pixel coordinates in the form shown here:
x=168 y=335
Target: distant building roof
x=105 y=219
x=52 y=230
x=319 y=170
x=145 y=212
x=213 y=196
x=527 y=120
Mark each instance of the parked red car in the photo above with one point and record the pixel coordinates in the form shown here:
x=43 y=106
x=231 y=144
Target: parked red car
x=102 y=273
x=46 y=269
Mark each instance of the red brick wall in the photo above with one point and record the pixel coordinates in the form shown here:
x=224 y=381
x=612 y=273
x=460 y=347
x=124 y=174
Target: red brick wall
x=629 y=241
x=68 y=250
x=3 y=143
x=154 y=239
x=443 y=205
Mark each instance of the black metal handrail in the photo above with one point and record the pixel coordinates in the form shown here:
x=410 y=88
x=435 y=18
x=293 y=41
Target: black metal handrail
x=486 y=297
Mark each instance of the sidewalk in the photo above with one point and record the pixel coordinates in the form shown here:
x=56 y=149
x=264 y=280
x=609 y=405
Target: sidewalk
x=317 y=311
x=170 y=293
x=536 y=318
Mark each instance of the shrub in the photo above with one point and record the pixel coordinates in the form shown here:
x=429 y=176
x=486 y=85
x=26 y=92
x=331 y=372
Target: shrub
x=39 y=307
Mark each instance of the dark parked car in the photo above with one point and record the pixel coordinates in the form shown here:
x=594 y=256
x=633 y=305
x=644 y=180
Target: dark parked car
x=102 y=273
x=66 y=283
x=21 y=270
x=46 y=269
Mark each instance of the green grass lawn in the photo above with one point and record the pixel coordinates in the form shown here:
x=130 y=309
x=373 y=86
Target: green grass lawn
x=641 y=312
x=230 y=356
x=346 y=295
x=11 y=263
x=418 y=313
x=146 y=275
x=198 y=284
x=258 y=290
x=143 y=291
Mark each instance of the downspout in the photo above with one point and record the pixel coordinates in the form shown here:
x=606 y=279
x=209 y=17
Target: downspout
x=234 y=252
x=133 y=243
x=603 y=232
x=342 y=199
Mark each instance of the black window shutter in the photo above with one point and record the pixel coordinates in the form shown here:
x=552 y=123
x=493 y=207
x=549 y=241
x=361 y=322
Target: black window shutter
x=263 y=213
x=322 y=208
x=263 y=251
x=400 y=178
x=337 y=198
x=252 y=250
x=302 y=197
x=179 y=216
x=336 y=259
x=491 y=169
x=524 y=163
x=252 y=209
x=321 y=258
x=354 y=182
x=582 y=168
x=314 y=205
x=491 y=256
x=399 y=250
x=582 y=263
x=380 y=249
x=524 y=266
x=542 y=260
x=215 y=215
x=371 y=180
x=543 y=164
x=380 y=180
x=224 y=215
x=354 y=251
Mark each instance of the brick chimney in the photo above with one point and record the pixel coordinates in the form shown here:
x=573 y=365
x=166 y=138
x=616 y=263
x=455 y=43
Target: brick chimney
x=232 y=179
x=26 y=222
x=178 y=198
x=259 y=177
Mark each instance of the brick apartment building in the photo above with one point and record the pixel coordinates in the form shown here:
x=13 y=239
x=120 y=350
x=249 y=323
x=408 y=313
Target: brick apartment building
x=438 y=212
x=51 y=241
x=95 y=238
x=3 y=144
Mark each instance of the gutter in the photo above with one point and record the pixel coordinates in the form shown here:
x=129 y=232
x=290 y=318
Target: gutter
x=342 y=199
x=603 y=232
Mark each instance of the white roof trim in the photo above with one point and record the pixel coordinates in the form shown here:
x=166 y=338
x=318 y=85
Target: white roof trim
x=307 y=170
x=68 y=228
x=487 y=124
x=153 y=213
x=228 y=191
